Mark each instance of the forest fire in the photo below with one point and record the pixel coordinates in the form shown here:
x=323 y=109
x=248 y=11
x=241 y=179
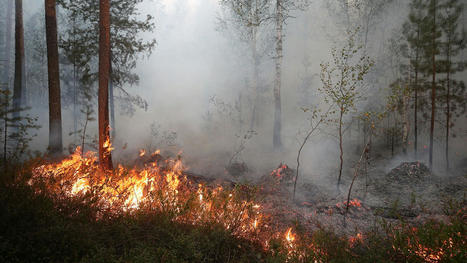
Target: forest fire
x=352 y=203
x=160 y=187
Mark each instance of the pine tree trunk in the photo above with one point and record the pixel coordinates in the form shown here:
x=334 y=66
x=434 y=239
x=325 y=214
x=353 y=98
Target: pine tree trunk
x=6 y=72
x=433 y=84
x=105 y=157
x=19 y=57
x=55 y=111
x=277 y=143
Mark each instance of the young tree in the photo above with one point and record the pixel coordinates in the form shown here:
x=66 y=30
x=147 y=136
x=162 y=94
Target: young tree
x=455 y=42
x=19 y=57
x=342 y=83
x=55 y=110
x=15 y=130
x=105 y=157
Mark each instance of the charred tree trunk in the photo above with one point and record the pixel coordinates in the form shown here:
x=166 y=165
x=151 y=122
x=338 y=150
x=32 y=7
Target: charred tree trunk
x=105 y=157
x=55 y=111
x=19 y=57
x=433 y=84
x=277 y=142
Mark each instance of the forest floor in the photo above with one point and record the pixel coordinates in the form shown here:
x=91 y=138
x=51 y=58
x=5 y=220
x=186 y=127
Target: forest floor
x=403 y=214
x=408 y=193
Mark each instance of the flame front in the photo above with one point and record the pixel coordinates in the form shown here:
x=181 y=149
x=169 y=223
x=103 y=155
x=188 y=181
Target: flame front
x=159 y=188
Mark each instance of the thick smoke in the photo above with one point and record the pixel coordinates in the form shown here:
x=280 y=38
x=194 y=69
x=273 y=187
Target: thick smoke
x=193 y=79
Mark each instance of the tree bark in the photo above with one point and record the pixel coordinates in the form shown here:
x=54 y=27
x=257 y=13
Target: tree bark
x=19 y=57
x=433 y=84
x=55 y=111
x=277 y=142
x=105 y=157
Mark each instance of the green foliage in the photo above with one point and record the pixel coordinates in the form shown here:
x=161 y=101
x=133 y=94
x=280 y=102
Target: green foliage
x=80 y=39
x=343 y=81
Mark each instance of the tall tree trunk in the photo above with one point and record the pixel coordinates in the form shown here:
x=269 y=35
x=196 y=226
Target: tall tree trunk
x=341 y=149
x=19 y=57
x=6 y=72
x=448 y=104
x=415 y=145
x=277 y=142
x=55 y=110
x=75 y=88
x=105 y=157
x=111 y=98
x=254 y=51
x=433 y=84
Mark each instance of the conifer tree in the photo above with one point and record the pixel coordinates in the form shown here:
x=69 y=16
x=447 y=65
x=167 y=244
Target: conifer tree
x=454 y=43
x=432 y=50
x=413 y=30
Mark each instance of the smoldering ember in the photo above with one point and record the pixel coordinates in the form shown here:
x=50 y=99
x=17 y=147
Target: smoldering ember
x=233 y=131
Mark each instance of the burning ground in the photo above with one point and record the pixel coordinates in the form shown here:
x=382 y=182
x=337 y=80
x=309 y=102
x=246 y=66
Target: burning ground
x=236 y=222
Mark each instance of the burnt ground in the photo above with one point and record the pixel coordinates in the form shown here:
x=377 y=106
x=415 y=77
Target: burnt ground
x=388 y=191
x=409 y=192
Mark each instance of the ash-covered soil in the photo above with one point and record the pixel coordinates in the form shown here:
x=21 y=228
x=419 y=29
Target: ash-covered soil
x=408 y=192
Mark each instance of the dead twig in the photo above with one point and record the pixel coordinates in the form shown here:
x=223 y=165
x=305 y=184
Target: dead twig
x=313 y=129
x=356 y=173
